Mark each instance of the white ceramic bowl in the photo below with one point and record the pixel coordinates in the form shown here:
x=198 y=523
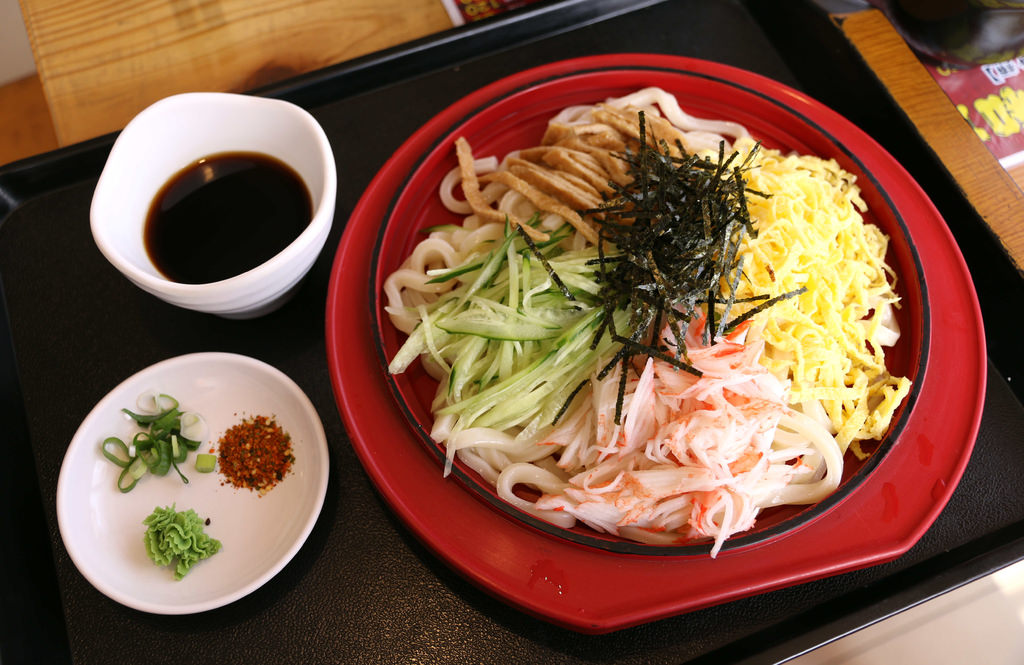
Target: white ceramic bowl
x=102 y=528
x=178 y=131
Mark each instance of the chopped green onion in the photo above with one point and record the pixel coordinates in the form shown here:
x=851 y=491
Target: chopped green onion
x=193 y=427
x=153 y=403
x=168 y=421
x=163 y=462
x=181 y=475
x=147 y=402
x=165 y=442
x=205 y=462
x=166 y=402
x=111 y=447
x=142 y=441
x=120 y=481
x=179 y=451
x=141 y=418
x=135 y=470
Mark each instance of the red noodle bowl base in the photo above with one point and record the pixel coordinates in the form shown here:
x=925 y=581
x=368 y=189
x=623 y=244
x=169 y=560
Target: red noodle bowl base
x=883 y=505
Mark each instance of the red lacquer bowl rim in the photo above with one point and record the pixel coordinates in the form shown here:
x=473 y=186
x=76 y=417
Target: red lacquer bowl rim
x=901 y=503
x=401 y=229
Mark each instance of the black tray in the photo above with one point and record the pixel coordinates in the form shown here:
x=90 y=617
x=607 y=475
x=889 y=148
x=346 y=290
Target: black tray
x=362 y=589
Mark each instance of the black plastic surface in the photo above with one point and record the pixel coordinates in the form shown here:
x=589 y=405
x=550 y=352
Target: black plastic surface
x=362 y=589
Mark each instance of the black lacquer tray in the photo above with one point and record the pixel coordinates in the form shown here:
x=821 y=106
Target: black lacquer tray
x=363 y=589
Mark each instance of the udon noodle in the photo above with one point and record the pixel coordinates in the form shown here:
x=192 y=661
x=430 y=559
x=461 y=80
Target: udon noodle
x=766 y=419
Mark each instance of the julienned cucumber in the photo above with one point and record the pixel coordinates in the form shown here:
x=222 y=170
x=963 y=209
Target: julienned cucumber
x=532 y=396
x=506 y=328
x=512 y=345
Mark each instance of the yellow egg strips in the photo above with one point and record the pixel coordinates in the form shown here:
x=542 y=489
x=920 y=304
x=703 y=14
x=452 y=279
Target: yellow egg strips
x=830 y=340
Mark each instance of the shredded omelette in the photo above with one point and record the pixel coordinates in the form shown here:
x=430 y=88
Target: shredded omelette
x=830 y=340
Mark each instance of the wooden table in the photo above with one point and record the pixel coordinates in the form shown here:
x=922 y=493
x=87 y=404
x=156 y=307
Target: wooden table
x=996 y=193
x=100 y=63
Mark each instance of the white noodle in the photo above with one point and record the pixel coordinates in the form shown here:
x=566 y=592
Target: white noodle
x=649 y=478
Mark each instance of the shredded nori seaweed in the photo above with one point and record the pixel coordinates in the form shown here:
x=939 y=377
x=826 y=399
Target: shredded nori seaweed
x=677 y=228
x=544 y=262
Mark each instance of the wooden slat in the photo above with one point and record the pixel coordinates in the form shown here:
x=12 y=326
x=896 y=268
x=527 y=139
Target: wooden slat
x=25 y=127
x=102 y=61
x=993 y=191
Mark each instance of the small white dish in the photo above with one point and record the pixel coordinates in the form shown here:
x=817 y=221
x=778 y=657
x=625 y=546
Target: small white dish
x=178 y=131
x=102 y=528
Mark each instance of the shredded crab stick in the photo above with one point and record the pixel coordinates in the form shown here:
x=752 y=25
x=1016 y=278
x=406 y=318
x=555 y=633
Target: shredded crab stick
x=694 y=457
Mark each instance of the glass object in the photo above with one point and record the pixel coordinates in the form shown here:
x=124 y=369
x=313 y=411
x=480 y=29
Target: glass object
x=959 y=33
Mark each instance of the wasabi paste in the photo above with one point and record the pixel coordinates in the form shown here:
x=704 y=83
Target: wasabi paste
x=178 y=538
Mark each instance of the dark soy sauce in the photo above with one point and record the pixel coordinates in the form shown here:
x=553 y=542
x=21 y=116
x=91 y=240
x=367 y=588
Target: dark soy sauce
x=224 y=215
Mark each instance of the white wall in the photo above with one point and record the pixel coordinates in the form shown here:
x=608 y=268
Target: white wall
x=15 y=52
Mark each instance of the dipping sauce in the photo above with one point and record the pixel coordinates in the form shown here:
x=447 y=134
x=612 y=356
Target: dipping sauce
x=224 y=215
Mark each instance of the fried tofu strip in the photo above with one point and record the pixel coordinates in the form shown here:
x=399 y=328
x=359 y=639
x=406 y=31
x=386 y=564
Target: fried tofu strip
x=570 y=189
x=543 y=201
x=476 y=201
x=658 y=129
x=579 y=163
x=573 y=169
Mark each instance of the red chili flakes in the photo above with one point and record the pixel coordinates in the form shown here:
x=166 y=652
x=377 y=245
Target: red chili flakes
x=255 y=454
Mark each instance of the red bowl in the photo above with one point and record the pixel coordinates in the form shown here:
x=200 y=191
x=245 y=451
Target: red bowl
x=517 y=119
x=594 y=583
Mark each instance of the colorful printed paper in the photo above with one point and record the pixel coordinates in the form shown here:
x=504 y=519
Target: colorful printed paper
x=466 y=11
x=991 y=98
